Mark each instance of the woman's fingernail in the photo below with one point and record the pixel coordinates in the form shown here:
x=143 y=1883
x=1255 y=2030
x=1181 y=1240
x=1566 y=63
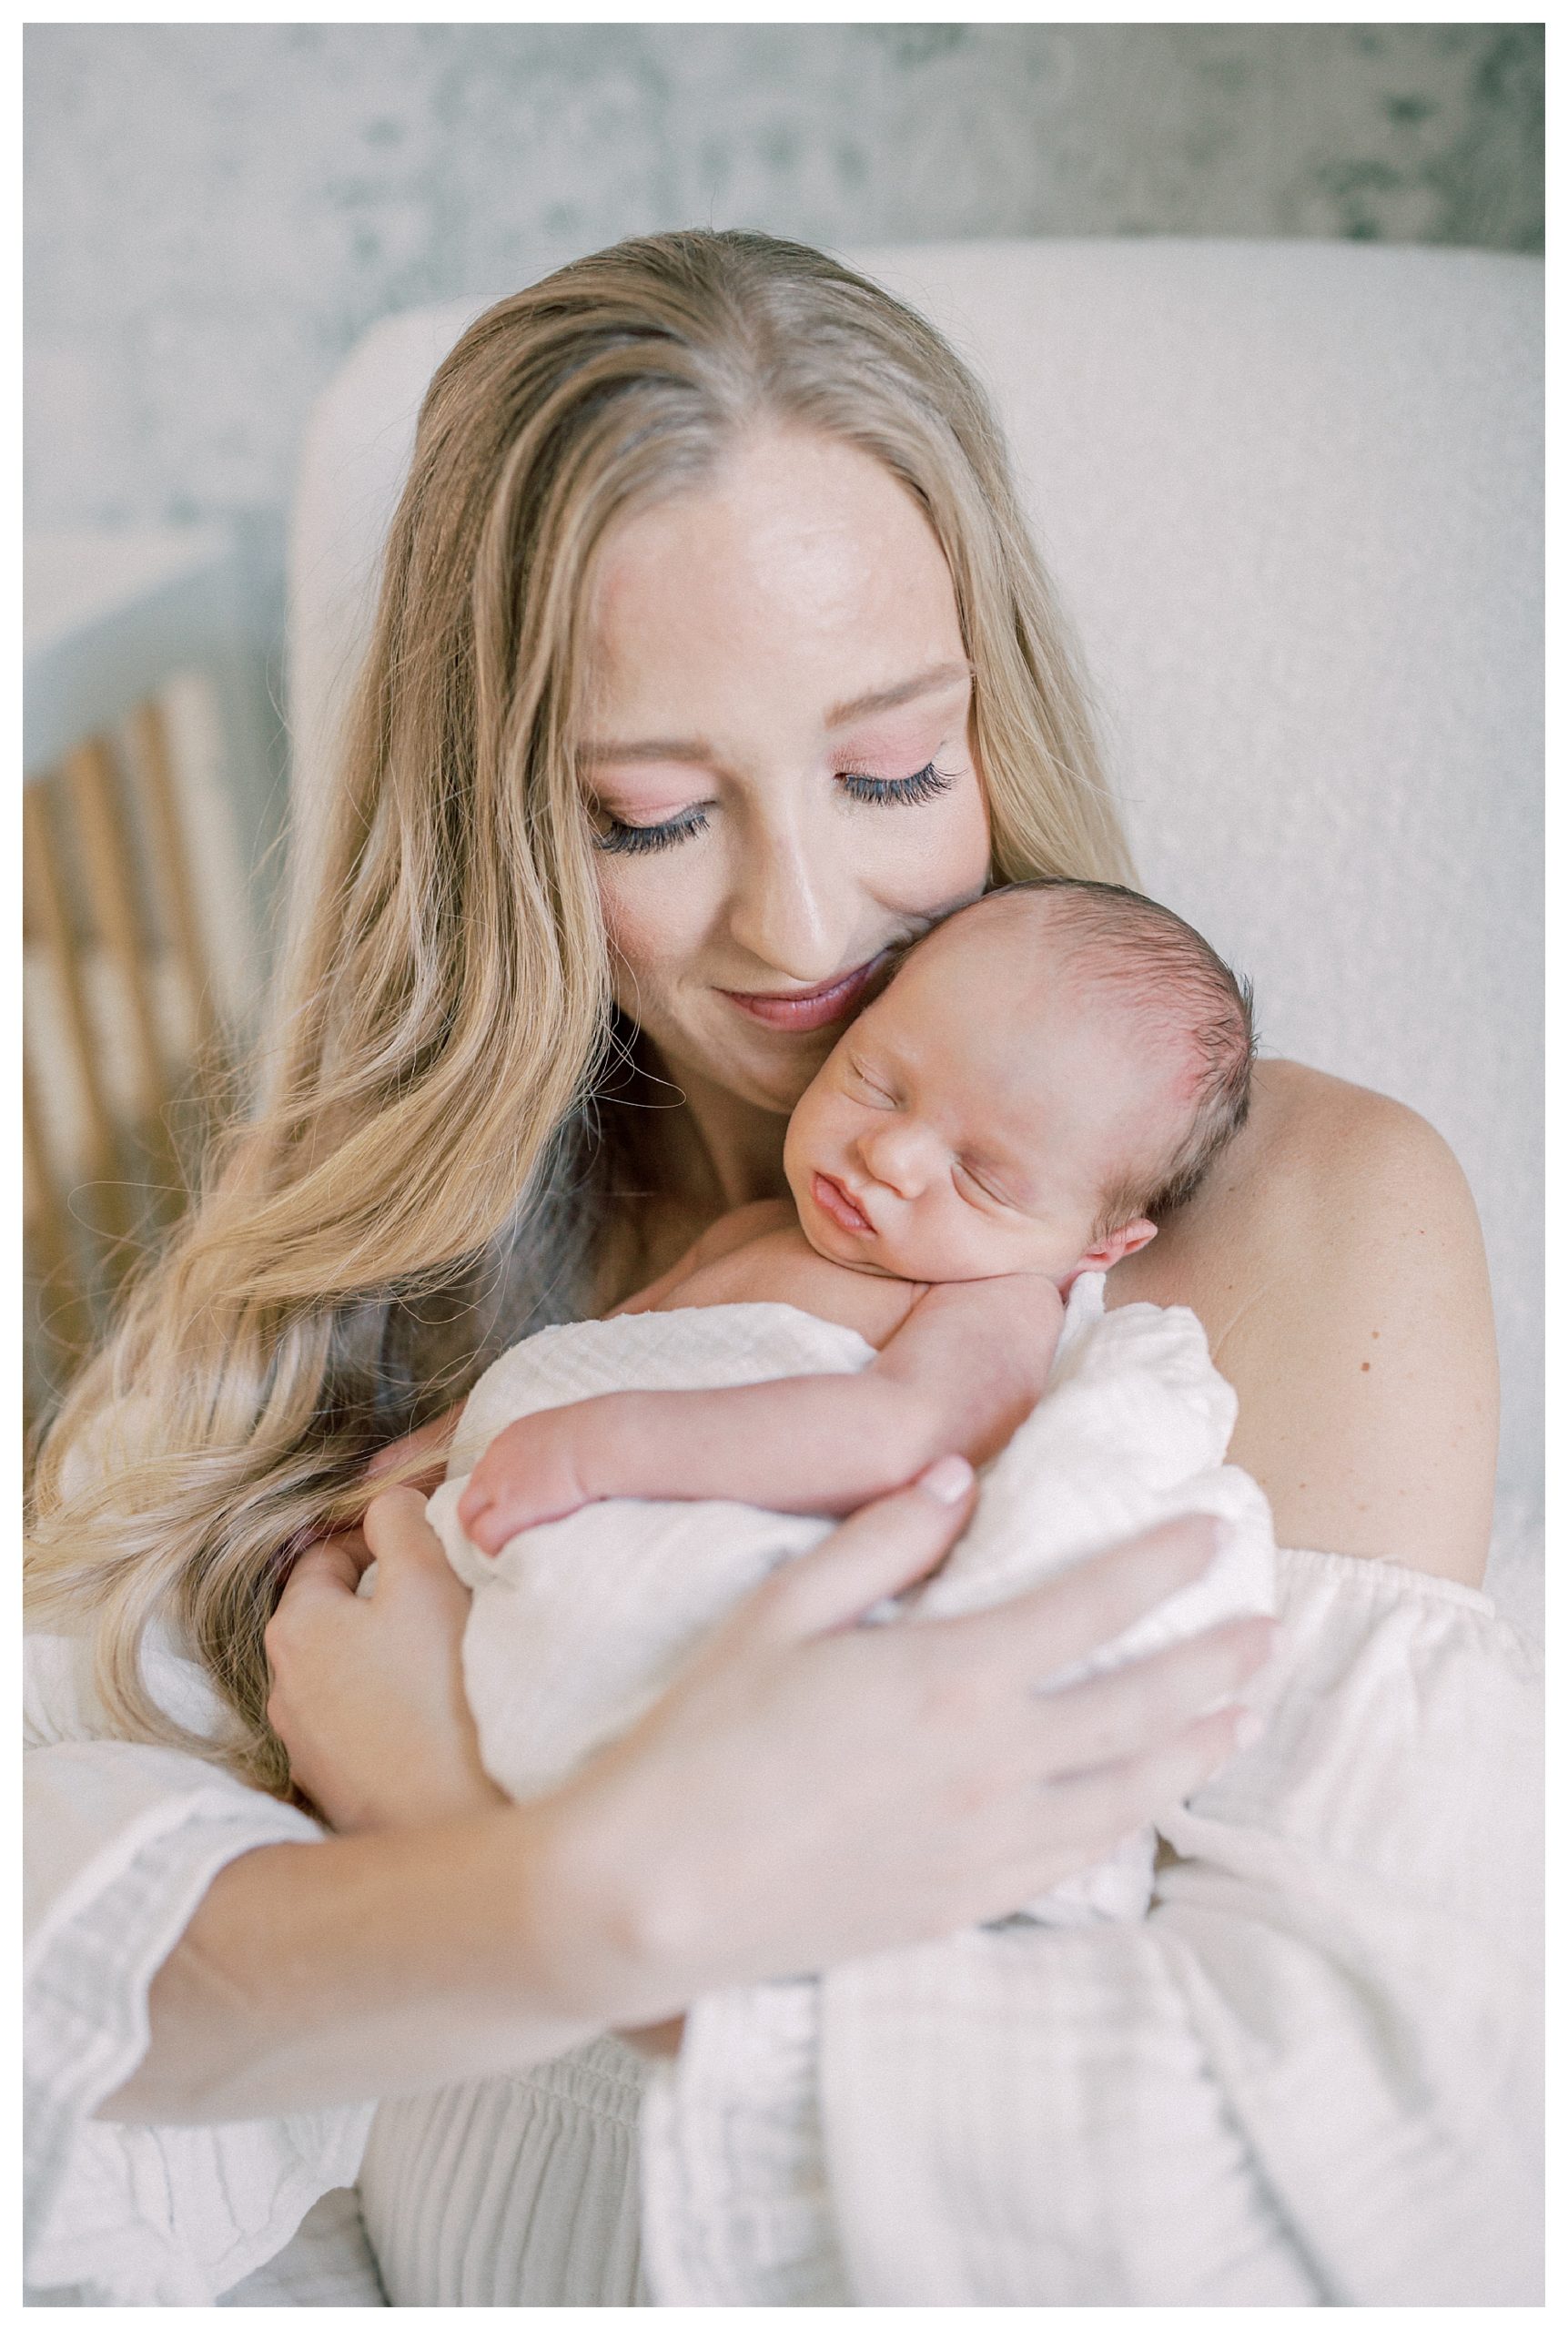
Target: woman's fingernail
x=947 y=1479
x=1250 y=1731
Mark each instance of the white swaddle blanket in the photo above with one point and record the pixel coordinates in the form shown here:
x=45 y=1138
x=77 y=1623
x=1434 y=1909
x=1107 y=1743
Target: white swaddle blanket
x=579 y=1624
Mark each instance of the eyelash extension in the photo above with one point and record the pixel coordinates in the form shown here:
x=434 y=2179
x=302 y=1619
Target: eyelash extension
x=924 y=786
x=619 y=840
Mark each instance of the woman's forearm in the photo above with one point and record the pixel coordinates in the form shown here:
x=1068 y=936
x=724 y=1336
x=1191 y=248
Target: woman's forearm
x=808 y=1790
x=314 y=1975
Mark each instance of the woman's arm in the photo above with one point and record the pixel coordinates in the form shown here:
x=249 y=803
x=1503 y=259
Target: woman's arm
x=812 y=1790
x=1336 y=1262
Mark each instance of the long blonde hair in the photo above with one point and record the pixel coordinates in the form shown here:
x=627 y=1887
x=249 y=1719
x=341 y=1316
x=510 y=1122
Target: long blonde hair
x=421 y=1171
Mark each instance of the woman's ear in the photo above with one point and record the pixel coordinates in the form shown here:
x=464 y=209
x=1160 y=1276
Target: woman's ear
x=1116 y=1246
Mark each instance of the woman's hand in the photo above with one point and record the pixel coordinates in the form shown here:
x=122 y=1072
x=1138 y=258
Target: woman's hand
x=812 y=1790
x=418 y=1461
x=809 y=1789
x=367 y=1695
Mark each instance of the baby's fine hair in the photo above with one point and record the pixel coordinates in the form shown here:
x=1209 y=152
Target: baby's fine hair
x=1156 y=967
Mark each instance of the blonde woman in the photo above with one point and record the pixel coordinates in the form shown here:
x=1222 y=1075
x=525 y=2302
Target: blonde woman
x=713 y=659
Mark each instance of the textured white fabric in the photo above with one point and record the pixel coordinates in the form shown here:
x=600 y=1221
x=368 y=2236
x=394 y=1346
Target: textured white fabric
x=330 y=2261
x=1309 y=2077
x=1291 y=493
x=580 y=1625
x=122 y=1842
x=515 y=2190
x=512 y=2192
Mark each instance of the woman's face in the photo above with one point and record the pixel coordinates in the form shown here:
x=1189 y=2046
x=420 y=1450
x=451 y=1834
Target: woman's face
x=777 y=756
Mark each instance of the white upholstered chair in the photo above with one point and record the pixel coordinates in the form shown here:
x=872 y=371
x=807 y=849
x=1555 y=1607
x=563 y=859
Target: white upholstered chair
x=1292 y=496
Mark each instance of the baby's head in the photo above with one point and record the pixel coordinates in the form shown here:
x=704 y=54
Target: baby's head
x=1049 y=1071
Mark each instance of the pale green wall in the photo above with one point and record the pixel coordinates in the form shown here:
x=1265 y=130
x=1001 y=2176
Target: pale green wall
x=215 y=212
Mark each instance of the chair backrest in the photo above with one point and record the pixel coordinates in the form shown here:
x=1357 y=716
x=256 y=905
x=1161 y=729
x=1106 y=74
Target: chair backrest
x=146 y=811
x=1290 y=495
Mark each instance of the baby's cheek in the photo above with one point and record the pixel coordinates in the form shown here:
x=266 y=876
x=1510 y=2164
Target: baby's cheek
x=804 y=1151
x=999 y=1248
x=952 y=1243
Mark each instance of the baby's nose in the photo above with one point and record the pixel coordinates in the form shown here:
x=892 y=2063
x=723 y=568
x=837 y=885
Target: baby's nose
x=898 y=1154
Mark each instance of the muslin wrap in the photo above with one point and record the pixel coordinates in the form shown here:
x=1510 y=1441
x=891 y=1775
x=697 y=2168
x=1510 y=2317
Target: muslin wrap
x=578 y=1625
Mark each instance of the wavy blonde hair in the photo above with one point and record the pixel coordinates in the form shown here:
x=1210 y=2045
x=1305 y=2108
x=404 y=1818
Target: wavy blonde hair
x=428 y=1163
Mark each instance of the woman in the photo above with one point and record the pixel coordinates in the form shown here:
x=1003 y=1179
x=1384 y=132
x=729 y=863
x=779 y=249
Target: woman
x=711 y=661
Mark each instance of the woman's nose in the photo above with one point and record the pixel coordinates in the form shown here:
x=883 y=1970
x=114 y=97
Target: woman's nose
x=791 y=907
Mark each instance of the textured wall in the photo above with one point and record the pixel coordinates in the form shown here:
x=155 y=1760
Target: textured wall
x=216 y=212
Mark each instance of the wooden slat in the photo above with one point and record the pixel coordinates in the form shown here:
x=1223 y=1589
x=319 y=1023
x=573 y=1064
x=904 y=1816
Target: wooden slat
x=65 y=1311
x=170 y=862
x=111 y=893
x=46 y=890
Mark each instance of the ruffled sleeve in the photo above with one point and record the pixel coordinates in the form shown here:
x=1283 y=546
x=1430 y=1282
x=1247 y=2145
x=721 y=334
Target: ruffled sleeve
x=123 y=1841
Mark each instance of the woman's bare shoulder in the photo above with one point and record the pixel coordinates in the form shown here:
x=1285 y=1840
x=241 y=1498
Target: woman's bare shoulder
x=1316 y=1141
x=1346 y=1166
x=1336 y=1262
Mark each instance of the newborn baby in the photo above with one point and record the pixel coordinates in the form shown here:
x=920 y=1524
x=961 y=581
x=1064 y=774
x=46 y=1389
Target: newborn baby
x=1048 y=1072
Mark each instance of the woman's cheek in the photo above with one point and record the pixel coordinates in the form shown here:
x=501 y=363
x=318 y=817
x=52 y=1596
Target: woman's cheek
x=646 y=928
x=945 y=851
x=970 y=845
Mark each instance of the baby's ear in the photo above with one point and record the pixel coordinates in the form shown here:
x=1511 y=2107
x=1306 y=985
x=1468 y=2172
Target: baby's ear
x=1117 y=1244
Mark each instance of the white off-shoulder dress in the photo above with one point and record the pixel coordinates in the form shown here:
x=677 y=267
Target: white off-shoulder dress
x=1309 y=2076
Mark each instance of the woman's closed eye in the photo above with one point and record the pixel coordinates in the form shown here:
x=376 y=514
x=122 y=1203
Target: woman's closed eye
x=620 y=837
x=619 y=840
x=925 y=785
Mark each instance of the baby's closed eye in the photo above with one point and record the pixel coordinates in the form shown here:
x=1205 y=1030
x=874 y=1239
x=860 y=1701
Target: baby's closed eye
x=869 y=1088
x=972 y=1181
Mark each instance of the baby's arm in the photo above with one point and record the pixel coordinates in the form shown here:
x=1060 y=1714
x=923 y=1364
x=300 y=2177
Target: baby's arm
x=962 y=1373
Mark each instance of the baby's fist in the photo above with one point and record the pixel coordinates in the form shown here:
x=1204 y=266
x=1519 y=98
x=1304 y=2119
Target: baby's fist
x=525 y=1476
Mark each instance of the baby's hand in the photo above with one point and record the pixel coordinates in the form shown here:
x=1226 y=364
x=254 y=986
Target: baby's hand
x=529 y=1474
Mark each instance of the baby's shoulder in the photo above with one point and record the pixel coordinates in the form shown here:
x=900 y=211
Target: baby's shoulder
x=777 y=1264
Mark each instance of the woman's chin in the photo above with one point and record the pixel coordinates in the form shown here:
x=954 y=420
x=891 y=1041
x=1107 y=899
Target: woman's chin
x=778 y=1094
x=776 y=1081
x=770 y=1076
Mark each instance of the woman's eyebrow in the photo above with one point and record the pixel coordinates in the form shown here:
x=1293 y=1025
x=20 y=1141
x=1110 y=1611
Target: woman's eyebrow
x=861 y=707
x=651 y=748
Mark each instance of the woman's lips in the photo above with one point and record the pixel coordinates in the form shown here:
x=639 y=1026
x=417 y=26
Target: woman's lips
x=838 y=1205
x=808 y=1007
